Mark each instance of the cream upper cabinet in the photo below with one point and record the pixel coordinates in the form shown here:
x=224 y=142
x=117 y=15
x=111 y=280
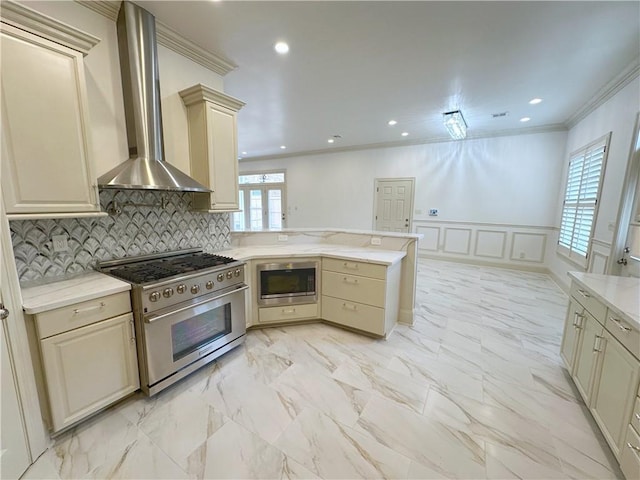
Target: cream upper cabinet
x=213 y=146
x=47 y=169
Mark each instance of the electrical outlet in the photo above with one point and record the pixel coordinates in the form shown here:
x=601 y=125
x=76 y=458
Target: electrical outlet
x=376 y=241
x=283 y=238
x=60 y=243
x=433 y=212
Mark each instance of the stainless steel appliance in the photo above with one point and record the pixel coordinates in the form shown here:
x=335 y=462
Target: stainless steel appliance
x=188 y=308
x=287 y=283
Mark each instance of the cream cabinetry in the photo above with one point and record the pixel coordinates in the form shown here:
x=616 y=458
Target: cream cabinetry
x=213 y=146
x=87 y=355
x=288 y=313
x=601 y=351
x=47 y=167
x=360 y=295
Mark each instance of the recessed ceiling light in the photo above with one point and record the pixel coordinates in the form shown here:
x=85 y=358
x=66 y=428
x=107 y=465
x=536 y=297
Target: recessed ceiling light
x=525 y=119
x=331 y=140
x=535 y=101
x=391 y=122
x=404 y=134
x=283 y=147
x=281 y=48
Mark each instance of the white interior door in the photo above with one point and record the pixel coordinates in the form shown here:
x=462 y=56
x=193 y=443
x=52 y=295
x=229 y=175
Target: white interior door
x=393 y=204
x=14 y=450
x=626 y=246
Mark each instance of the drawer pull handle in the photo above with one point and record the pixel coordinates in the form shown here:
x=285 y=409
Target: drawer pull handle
x=133 y=331
x=633 y=447
x=583 y=293
x=577 y=320
x=78 y=311
x=597 y=343
x=351 y=307
x=352 y=281
x=288 y=311
x=350 y=266
x=620 y=325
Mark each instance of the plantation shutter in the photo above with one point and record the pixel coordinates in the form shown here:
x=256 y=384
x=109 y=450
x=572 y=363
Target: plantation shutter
x=584 y=178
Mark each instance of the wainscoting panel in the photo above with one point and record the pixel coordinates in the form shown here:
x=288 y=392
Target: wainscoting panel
x=599 y=260
x=516 y=246
x=528 y=247
x=431 y=238
x=457 y=240
x=490 y=243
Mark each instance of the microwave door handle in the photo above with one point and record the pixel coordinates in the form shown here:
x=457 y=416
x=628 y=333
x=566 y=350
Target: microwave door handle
x=155 y=318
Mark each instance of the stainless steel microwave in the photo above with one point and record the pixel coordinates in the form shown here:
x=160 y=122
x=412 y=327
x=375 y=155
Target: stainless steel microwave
x=287 y=283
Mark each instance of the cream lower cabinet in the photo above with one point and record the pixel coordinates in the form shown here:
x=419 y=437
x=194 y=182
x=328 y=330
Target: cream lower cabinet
x=46 y=156
x=602 y=354
x=287 y=313
x=88 y=357
x=213 y=146
x=615 y=391
x=360 y=295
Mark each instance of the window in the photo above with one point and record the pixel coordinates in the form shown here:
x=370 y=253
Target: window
x=582 y=191
x=261 y=202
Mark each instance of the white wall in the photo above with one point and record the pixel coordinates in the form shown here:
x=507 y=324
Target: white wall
x=617 y=115
x=504 y=180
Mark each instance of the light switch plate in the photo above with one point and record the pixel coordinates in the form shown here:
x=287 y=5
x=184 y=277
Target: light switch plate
x=60 y=243
x=376 y=241
x=283 y=238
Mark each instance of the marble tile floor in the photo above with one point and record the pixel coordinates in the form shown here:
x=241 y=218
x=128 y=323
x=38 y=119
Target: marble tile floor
x=475 y=389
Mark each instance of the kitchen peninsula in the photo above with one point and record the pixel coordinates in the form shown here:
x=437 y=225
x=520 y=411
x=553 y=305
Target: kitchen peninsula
x=367 y=280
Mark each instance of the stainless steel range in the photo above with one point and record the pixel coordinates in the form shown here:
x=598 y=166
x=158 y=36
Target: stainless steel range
x=188 y=307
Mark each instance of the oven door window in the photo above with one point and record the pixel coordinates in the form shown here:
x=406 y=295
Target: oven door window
x=189 y=335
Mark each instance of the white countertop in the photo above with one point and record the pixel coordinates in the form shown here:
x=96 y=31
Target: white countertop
x=369 y=255
x=80 y=288
x=621 y=294
x=378 y=233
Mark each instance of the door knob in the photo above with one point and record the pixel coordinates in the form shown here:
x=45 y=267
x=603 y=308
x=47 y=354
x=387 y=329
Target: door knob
x=4 y=312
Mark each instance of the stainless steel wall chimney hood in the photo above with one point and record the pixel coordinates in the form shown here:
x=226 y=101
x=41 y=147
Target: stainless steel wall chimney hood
x=146 y=168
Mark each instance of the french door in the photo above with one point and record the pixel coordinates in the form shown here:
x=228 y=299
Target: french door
x=262 y=207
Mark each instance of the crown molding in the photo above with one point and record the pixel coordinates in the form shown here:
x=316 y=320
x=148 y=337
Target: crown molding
x=620 y=81
x=201 y=93
x=169 y=38
x=556 y=127
x=176 y=42
x=106 y=8
x=47 y=27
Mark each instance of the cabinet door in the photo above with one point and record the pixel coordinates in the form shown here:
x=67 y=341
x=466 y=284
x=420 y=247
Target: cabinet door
x=585 y=357
x=89 y=368
x=223 y=151
x=46 y=166
x=572 y=327
x=615 y=391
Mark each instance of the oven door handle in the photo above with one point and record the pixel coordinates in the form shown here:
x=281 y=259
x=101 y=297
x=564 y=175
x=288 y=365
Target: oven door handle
x=155 y=318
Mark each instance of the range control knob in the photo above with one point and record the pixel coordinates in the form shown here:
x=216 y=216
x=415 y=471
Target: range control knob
x=220 y=277
x=209 y=285
x=154 y=296
x=237 y=272
x=167 y=292
x=195 y=289
x=230 y=274
x=181 y=288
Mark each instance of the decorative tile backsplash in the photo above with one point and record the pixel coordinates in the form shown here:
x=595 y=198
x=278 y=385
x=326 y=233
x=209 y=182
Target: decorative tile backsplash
x=133 y=230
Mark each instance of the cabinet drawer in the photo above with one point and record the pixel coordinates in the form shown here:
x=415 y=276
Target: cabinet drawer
x=289 y=312
x=588 y=301
x=625 y=333
x=630 y=456
x=353 y=314
x=635 y=416
x=352 y=287
x=355 y=268
x=80 y=314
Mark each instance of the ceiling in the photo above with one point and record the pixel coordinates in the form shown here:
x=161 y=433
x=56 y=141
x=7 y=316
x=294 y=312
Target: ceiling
x=353 y=66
